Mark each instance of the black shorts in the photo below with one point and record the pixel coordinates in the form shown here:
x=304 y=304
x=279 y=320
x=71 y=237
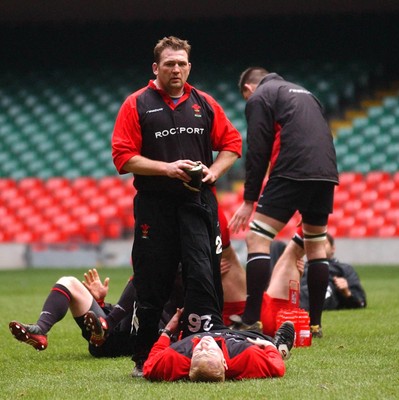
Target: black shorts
x=282 y=197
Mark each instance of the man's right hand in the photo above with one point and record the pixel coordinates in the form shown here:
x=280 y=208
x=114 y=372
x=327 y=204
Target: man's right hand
x=173 y=324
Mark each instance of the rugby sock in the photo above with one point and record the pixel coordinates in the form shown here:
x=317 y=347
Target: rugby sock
x=54 y=308
x=317 y=284
x=123 y=307
x=298 y=237
x=258 y=272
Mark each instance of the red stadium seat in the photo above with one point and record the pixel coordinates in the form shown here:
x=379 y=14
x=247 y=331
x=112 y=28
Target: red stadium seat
x=374 y=224
x=392 y=216
x=53 y=236
x=357 y=188
x=89 y=192
x=94 y=235
x=352 y=207
x=73 y=231
x=115 y=193
x=98 y=202
x=385 y=188
x=387 y=231
x=332 y=230
x=64 y=192
x=42 y=229
x=382 y=206
x=44 y=201
x=373 y=178
x=24 y=237
x=113 y=229
x=25 y=212
x=6 y=183
x=52 y=211
x=110 y=182
x=368 y=198
x=34 y=220
x=357 y=231
x=128 y=221
x=10 y=196
x=363 y=215
x=395 y=178
x=5 y=236
x=30 y=183
x=61 y=219
x=347 y=179
x=55 y=183
x=83 y=182
x=341 y=197
x=70 y=202
x=343 y=226
x=394 y=197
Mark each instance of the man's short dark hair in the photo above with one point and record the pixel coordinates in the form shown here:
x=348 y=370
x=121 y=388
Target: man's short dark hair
x=251 y=75
x=174 y=43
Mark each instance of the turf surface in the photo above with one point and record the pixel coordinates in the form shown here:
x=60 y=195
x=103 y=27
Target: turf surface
x=358 y=358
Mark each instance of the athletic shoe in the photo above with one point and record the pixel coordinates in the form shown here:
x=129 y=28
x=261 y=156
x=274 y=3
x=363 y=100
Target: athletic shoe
x=98 y=327
x=316 y=331
x=29 y=334
x=284 y=339
x=239 y=325
x=138 y=369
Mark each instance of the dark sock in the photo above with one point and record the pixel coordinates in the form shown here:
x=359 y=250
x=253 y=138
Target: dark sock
x=55 y=307
x=317 y=285
x=123 y=307
x=258 y=276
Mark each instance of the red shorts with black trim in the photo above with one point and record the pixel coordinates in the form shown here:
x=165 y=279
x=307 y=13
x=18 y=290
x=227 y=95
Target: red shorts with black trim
x=268 y=313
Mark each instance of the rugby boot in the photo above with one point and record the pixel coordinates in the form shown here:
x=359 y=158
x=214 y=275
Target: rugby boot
x=284 y=339
x=97 y=326
x=138 y=369
x=239 y=325
x=316 y=331
x=30 y=334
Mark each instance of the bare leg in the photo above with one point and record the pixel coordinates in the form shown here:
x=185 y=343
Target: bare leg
x=81 y=299
x=233 y=280
x=284 y=271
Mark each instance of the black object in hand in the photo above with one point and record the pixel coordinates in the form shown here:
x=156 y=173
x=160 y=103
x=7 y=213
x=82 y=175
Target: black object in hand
x=196 y=177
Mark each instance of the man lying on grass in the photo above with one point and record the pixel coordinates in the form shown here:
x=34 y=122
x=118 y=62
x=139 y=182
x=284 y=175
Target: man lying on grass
x=212 y=355
x=79 y=297
x=216 y=355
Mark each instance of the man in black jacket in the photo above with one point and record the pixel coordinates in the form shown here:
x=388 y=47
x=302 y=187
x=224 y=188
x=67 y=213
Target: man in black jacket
x=344 y=288
x=289 y=139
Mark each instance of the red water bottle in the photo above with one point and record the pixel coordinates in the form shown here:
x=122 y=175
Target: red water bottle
x=302 y=330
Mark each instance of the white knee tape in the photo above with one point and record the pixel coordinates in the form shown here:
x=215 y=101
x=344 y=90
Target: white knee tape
x=314 y=237
x=262 y=229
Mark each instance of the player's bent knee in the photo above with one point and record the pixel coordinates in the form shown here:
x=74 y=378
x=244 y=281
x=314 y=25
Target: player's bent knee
x=69 y=281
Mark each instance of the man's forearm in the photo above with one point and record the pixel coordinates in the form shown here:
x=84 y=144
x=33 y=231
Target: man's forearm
x=223 y=162
x=144 y=166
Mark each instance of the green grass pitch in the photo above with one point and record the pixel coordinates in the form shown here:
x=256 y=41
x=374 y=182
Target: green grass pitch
x=358 y=357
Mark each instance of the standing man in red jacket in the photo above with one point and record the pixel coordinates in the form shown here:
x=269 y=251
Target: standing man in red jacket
x=163 y=131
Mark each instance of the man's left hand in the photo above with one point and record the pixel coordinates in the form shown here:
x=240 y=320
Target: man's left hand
x=94 y=285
